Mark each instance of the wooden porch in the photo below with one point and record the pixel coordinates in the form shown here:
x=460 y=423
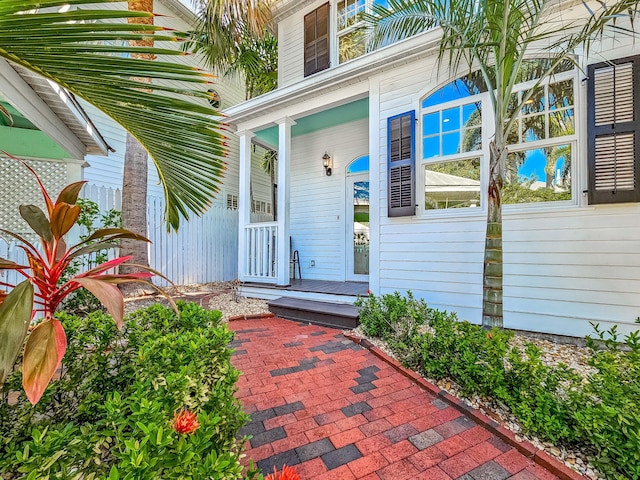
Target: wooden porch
x=314 y=301
x=340 y=292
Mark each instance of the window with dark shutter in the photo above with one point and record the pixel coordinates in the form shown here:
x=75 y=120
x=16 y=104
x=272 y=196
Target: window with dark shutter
x=316 y=40
x=614 y=131
x=401 y=165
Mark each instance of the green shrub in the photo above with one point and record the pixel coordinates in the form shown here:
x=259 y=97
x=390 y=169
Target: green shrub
x=607 y=407
x=391 y=316
x=109 y=414
x=463 y=351
x=601 y=413
x=537 y=395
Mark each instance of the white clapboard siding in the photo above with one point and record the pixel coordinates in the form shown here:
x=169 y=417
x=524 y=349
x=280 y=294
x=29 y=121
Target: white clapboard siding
x=291 y=48
x=318 y=209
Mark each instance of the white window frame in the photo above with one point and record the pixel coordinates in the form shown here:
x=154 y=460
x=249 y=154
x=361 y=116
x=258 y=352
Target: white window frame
x=483 y=154
x=571 y=140
x=232 y=201
x=337 y=33
x=488 y=132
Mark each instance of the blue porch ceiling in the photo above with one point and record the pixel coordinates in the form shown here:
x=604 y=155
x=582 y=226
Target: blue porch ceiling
x=346 y=113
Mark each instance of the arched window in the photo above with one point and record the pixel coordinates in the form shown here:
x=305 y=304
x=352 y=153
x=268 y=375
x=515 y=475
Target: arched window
x=453 y=145
x=359 y=165
x=457 y=125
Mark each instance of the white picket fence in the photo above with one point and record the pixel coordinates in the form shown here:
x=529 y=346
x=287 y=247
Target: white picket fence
x=9 y=250
x=205 y=249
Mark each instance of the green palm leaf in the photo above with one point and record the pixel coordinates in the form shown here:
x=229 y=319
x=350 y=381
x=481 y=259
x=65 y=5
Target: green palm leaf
x=86 y=51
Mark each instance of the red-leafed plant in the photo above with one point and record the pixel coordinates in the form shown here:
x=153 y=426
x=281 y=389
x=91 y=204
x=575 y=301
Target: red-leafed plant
x=287 y=473
x=43 y=288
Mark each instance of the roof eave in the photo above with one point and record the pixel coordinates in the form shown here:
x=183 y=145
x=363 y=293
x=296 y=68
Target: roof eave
x=385 y=58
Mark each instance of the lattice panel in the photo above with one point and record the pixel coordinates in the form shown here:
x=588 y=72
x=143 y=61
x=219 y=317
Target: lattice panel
x=19 y=187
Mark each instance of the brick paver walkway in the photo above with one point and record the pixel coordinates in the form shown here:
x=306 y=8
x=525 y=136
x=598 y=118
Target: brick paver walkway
x=335 y=411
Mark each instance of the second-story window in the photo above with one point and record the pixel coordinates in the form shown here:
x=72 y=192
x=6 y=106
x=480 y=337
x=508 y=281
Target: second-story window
x=351 y=37
x=351 y=32
x=316 y=40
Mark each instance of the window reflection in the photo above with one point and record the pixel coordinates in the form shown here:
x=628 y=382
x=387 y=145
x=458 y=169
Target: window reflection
x=547 y=113
x=538 y=175
x=452 y=184
x=541 y=140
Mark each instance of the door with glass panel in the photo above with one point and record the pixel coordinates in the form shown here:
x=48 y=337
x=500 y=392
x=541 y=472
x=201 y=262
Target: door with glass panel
x=357 y=218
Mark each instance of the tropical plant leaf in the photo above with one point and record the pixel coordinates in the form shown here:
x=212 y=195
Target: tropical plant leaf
x=125 y=277
x=82 y=50
x=37 y=220
x=103 y=267
x=61 y=250
x=155 y=272
x=94 y=247
x=15 y=316
x=7 y=114
x=108 y=294
x=119 y=232
x=69 y=194
x=25 y=243
x=63 y=218
x=42 y=355
x=10 y=265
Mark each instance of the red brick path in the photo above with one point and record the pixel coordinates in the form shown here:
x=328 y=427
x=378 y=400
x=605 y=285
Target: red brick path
x=335 y=411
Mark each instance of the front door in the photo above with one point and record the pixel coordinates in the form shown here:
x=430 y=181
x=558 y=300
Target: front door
x=357 y=218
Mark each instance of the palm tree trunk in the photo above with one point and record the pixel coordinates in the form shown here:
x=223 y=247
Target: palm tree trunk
x=492 y=275
x=134 y=199
x=134 y=183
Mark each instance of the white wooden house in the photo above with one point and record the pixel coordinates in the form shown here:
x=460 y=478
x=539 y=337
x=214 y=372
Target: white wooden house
x=49 y=129
x=394 y=123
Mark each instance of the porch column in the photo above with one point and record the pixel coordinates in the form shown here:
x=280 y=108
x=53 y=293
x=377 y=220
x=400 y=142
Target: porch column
x=244 y=199
x=284 y=166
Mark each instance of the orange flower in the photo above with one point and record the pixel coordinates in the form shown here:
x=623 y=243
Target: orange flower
x=185 y=422
x=287 y=473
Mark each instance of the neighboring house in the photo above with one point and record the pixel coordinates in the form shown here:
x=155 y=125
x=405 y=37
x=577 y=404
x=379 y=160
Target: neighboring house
x=396 y=124
x=66 y=139
x=50 y=130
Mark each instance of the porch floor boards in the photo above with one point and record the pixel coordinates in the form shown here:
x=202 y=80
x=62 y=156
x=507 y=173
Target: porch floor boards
x=319 y=286
x=336 y=315
x=319 y=302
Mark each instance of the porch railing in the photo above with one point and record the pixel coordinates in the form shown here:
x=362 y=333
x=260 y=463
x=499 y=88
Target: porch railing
x=261 y=262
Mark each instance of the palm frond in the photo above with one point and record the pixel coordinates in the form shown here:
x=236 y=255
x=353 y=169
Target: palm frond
x=87 y=52
x=234 y=37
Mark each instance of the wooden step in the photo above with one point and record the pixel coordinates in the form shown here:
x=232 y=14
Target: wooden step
x=337 y=315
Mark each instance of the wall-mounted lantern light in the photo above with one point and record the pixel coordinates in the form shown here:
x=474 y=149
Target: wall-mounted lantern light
x=327 y=163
